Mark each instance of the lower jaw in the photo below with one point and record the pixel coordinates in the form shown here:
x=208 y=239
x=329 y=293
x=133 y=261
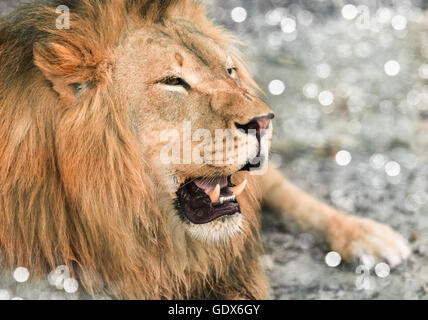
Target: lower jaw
x=196 y=207
x=204 y=209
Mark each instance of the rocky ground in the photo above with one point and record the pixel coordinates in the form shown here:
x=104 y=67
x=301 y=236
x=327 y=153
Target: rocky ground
x=295 y=261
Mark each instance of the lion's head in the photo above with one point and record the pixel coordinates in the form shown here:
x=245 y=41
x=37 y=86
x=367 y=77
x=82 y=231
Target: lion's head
x=95 y=137
x=181 y=76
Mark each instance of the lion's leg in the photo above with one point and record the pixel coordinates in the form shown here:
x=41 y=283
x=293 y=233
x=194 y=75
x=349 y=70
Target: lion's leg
x=351 y=236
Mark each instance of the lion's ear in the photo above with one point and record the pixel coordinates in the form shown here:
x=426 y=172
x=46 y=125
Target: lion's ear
x=69 y=68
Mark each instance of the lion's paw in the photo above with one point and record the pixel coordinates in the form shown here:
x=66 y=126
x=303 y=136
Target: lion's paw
x=354 y=238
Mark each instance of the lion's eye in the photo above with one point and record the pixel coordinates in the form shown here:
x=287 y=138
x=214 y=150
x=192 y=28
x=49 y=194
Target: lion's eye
x=176 y=81
x=233 y=72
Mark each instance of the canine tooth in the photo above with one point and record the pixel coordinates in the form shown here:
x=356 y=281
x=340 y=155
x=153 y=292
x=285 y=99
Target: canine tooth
x=215 y=194
x=236 y=190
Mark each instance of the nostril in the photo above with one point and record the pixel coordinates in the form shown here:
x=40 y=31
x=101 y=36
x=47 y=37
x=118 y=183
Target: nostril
x=257 y=123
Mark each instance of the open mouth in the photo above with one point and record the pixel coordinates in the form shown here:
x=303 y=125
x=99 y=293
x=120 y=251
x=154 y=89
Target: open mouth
x=203 y=200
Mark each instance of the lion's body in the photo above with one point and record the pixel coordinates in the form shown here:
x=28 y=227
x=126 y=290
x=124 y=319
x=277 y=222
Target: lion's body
x=80 y=178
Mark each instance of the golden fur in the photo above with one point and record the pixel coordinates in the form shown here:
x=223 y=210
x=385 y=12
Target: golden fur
x=79 y=179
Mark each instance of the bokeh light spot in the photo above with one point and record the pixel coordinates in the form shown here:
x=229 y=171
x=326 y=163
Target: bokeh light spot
x=423 y=71
x=310 y=90
x=392 y=169
x=21 y=274
x=343 y=158
x=392 y=68
x=382 y=270
x=333 y=259
x=326 y=98
x=288 y=25
x=276 y=87
x=349 y=11
x=323 y=70
x=399 y=22
x=238 y=14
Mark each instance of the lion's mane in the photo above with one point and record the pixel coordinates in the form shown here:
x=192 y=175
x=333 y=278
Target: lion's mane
x=73 y=187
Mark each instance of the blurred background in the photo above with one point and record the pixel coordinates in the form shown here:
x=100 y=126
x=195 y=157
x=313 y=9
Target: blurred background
x=348 y=81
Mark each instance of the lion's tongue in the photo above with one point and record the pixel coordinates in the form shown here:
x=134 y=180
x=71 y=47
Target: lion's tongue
x=208 y=184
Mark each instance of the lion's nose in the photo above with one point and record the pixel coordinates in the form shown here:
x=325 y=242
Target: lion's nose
x=258 y=123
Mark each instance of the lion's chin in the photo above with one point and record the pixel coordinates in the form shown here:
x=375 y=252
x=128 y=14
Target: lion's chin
x=218 y=231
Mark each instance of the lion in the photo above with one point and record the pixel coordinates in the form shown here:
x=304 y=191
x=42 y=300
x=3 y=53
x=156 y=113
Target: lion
x=82 y=184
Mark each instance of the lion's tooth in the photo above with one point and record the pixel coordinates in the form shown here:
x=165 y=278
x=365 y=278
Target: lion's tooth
x=215 y=194
x=236 y=190
x=230 y=198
